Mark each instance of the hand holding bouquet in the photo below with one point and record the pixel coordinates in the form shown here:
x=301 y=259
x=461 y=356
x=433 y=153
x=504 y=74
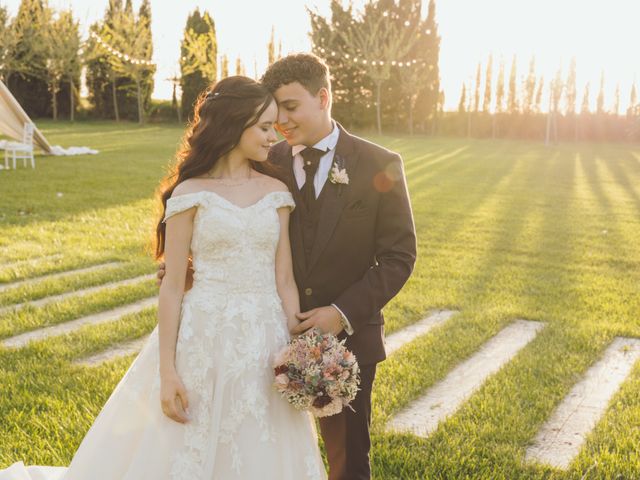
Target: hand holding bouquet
x=316 y=372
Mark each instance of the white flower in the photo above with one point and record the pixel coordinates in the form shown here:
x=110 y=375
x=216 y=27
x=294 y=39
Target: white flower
x=339 y=176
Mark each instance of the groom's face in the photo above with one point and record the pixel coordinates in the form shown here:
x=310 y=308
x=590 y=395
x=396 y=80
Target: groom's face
x=301 y=115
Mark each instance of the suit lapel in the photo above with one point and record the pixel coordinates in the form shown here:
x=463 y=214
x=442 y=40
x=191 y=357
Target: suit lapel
x=335 y=198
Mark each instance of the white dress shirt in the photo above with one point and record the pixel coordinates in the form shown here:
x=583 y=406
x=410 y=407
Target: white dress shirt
x=327 y=145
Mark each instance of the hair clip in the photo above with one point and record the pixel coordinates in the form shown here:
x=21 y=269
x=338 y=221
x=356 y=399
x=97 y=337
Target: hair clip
x=213 y=95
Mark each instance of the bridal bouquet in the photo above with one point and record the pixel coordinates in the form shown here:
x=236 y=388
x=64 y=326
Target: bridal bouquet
x=316 y=372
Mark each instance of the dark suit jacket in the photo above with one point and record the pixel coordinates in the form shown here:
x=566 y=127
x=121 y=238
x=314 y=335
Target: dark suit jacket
x=365 y=246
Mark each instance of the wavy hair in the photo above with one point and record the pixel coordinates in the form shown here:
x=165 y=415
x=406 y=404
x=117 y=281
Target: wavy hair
x=221 y=114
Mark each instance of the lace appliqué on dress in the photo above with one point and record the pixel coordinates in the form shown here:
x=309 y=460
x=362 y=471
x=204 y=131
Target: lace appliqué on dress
x=232 y=323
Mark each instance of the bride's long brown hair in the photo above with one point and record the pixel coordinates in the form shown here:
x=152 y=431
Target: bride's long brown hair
x=221 y=114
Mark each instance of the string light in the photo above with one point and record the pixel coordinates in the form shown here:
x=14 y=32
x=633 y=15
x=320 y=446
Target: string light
x=394 y=63
x=375 y=63
x=118 y=54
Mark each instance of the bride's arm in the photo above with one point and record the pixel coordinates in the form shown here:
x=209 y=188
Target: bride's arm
x=177 y=244
x=285 y=281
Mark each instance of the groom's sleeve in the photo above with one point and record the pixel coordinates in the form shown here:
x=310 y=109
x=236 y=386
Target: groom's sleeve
x=395 y=253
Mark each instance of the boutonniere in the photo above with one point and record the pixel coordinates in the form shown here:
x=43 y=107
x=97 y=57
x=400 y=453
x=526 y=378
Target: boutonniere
x=338 y=175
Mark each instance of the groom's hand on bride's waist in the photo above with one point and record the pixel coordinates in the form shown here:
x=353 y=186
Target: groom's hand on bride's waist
x=327 y=319
x=188 y=281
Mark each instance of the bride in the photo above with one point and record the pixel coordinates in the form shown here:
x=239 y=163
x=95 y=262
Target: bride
x=198 y=403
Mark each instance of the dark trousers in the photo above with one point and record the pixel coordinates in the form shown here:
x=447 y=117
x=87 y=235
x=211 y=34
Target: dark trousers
x=346 y=435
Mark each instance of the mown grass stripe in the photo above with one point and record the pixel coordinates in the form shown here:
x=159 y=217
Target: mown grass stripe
x=57 y=298
x=67 y=327
x=397 y=340
x=30 y=261
x=118 y=351
x=423 y=416
x=562 y=436
x=58 y=276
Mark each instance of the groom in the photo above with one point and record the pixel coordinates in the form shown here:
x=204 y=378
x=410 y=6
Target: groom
x=352 y=237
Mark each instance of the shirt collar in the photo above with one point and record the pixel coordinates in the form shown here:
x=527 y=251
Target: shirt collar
x=327 y=143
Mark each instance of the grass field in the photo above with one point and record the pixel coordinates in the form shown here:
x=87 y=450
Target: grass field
x=506 y=230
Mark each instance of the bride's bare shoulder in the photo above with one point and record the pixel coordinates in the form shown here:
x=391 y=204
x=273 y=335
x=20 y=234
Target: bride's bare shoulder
x=271 y=184
x=190 y=185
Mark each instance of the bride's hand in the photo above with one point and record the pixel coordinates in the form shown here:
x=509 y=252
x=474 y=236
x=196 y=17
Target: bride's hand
x=173 y=397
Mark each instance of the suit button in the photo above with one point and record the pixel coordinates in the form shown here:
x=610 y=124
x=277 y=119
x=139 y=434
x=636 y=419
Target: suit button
x=308 y=291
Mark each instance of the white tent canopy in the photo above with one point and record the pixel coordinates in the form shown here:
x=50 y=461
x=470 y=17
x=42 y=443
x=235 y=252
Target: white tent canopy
x=13 y=118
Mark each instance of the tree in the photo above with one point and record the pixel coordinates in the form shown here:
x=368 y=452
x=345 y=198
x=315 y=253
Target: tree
x=476 y=95
x=417 y=79
x=271 y=48
x=512 y=102
x=351 y=87
x=486 y=103
x=198 y=58
x=529 y=88
x=26 y=68
x=600 y=100
x=102 y=80
x=240 y=70
x=555 y=96
x=499 y=108
x=131 y=37
x=9 y=38
x=633 y=101
x=572 y=94
x=175 y=83
x=463 y=99
x=63 y=62
x=500 y=89
x=224 y=66
x=200 y=51
x=537 y=106
x=377 y=43
x=427 y=48
x=585 y=110
x=115 y=94
x=616 y=101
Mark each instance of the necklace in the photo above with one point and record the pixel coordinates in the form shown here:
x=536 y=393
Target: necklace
x=225 y=182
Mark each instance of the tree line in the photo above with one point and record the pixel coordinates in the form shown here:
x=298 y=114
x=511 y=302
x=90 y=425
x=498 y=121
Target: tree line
x=42 y=58
x=495 y=106
x=384 y=61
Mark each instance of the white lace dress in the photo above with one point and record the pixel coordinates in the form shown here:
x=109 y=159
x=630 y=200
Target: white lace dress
x=232 y=324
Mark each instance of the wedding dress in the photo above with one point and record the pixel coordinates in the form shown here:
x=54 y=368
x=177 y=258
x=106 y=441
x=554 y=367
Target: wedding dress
x=232 y=324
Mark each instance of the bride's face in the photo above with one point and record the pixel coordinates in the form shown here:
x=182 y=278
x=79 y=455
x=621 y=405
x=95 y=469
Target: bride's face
x=256 y=140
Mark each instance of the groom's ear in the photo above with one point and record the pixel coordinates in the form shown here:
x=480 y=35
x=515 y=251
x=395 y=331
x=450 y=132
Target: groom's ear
x=325 y=98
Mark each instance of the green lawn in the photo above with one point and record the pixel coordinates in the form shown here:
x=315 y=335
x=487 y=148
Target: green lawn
x=506 y=230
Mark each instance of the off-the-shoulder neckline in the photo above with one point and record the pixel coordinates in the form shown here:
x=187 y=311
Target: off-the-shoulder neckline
x=229 y=202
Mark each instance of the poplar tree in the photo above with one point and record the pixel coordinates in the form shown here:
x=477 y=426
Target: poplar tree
x=198 y=58
x=529 y=88
x=512 y=102
x=600 y=100
x=463 y=99
x=486 y=105
x=476 y=93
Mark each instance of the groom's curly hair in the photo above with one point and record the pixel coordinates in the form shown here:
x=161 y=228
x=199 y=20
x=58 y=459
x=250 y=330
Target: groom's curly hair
x=305 y=68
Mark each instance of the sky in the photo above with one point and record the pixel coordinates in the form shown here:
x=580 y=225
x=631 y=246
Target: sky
x=603 y=36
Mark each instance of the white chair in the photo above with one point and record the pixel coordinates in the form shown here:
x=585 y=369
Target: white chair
x=23 y=150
